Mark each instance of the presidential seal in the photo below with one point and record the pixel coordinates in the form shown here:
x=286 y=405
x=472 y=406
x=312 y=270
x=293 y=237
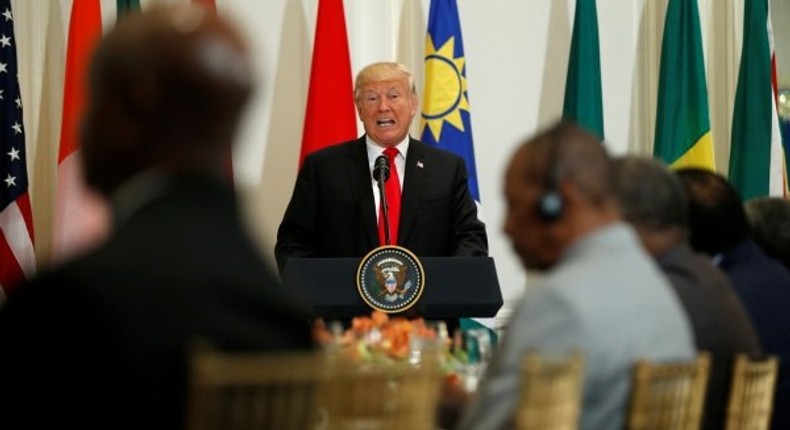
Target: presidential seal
x=390 y=279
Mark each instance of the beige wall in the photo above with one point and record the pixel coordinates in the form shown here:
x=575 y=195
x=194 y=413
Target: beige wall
x=516 y=53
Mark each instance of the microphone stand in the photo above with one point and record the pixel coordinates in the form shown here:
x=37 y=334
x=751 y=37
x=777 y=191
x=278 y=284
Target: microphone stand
x=384 y=211
x=381 y=173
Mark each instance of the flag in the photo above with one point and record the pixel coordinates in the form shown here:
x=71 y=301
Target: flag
x=81 y=217
x=446 y=121
x=682 y=121
x=17 y=257
x=331 y=115
x=583 y=99
x=756 y=161
x=124 y=7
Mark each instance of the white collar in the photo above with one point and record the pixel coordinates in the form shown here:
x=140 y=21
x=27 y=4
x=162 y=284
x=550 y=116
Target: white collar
x=374 y=149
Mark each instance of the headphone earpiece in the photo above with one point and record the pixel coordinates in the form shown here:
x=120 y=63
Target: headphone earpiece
x=550 y=203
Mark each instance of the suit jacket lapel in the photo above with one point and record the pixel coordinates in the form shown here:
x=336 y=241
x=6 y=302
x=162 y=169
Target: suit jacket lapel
x=413 y=184
x=362 y=190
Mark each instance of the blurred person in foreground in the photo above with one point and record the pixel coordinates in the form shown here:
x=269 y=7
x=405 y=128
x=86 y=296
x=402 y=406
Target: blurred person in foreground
x=769 y=219
x=334 y=209
x=719 y=228
x=653 y=200
x=600 y=294
x=102 y=342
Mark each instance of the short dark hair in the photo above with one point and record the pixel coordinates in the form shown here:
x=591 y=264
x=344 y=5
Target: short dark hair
x=650 y=196
x=717 y=220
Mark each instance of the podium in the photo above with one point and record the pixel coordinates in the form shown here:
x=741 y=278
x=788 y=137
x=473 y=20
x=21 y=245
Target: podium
x=455 y=287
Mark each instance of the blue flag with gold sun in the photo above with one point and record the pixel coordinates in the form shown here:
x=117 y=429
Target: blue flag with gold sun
x=445 y=109
x=446 y=120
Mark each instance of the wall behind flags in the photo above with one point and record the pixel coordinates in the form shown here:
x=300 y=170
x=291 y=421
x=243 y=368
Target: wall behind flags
x=516 y=56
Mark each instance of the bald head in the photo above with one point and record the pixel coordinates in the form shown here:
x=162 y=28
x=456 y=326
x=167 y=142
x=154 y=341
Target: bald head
x=167 y=88
x=568 y=153
x=571 y=163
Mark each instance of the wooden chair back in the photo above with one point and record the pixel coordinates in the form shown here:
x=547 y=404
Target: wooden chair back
x=550 y=393
x=253 y=390
x=309 y=390
x=668 y=395
x=752 y=393
x=381 y=395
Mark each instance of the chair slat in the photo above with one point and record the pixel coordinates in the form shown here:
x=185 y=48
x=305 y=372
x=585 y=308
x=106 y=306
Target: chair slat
x=752 y=393
x=550 y=394
x=668 y=395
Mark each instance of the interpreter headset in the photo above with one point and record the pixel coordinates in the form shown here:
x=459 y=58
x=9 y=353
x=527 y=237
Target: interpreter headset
x=550 y=203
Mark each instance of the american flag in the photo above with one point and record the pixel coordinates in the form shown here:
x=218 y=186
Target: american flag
x=17 y=259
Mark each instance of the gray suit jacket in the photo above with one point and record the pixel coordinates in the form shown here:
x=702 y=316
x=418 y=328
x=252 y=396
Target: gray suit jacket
x=605 y=298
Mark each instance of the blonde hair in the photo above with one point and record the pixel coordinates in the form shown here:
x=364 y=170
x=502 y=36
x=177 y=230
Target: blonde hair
x=382 y=71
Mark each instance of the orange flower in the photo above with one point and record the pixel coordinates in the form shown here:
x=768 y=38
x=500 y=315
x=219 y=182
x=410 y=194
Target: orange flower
x=379 y=318
x=377 y=333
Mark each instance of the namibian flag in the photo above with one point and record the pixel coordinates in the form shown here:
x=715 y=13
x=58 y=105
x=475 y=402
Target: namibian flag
x=445 y=116
x=446 y=120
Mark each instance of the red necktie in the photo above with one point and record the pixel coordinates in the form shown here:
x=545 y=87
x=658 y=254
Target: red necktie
x=392 y=189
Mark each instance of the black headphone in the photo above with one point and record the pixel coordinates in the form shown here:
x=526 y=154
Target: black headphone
x=550 y=203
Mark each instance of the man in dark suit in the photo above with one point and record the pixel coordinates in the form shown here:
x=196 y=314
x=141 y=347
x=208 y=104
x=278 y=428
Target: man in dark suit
x=334 y=207
x=654 y=202
x=720 y=228
x=769 y=222
x=103 y=341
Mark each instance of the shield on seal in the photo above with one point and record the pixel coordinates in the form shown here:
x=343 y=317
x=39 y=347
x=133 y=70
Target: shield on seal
x=390 y=279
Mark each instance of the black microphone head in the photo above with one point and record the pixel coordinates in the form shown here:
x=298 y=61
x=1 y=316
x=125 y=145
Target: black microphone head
x=381 y=168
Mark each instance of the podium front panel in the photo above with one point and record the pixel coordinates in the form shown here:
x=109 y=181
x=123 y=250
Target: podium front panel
x=455 y=287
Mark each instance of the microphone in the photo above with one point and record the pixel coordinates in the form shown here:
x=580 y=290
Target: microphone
x=381 y=172
x=381 y=168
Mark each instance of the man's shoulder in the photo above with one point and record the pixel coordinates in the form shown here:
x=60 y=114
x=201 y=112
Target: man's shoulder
x=335 y=150
x=683 y=264
x=747 y=260
x=50 y=293
x=421 y=148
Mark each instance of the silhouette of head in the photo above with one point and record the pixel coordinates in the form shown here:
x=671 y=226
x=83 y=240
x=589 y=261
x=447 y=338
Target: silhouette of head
x=167 y=87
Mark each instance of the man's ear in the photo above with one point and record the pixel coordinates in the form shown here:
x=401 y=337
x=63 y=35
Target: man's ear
x=569 y=193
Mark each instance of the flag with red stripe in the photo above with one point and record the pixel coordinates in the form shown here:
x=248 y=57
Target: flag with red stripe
x=756 y=156
x=17 y=257
x=81 y=217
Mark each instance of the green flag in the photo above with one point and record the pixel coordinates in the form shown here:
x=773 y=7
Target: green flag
x=682 y=120
x=583 y=99
x=126 y=6
x=752 y=118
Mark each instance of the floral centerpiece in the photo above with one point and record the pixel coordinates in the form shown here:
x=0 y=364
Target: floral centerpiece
x=379 y=337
